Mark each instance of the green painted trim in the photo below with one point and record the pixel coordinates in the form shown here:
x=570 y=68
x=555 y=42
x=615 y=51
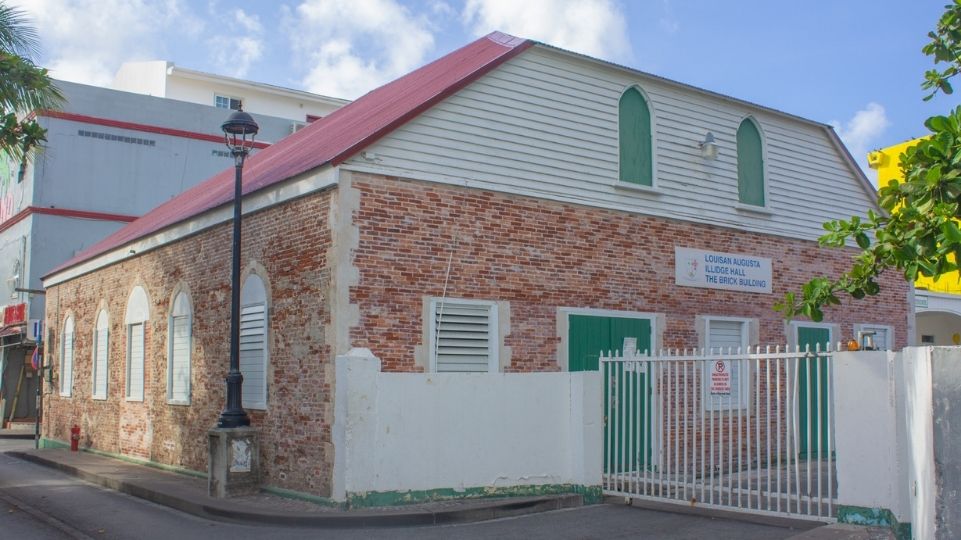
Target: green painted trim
x=301 y=496
x=52 y=443
x=591 y=494
x=874 y=517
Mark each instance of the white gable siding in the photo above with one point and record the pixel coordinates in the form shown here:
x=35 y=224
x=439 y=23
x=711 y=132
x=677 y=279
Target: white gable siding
x=545 y=124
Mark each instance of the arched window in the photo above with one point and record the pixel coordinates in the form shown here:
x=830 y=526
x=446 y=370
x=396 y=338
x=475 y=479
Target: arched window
x=750 y=164
x=66 y=358
x=138 y=313
x=634 y=128
x=253 y=342
x=100 y=342
x=178 y=351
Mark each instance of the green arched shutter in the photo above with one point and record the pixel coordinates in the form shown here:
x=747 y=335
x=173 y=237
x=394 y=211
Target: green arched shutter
x=750 y=164
x=634 y=121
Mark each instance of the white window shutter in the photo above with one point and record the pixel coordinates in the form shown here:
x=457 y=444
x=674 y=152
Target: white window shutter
x=722 y=337
x=66 y=377
x=180 y=359
x=253 y=355
x=135 y=358
x=100 y=364
x=464 y=336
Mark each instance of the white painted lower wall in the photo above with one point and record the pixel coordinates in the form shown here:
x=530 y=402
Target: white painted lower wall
x=399 y=432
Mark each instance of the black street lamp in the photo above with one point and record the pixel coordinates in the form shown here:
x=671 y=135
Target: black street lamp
x=238 y=127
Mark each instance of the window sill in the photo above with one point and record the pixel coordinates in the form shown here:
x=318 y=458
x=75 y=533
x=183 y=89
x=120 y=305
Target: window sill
x=99 y=398
x=133 y=399
x=751 y=209
x=178 y=403
x=65 y=395
x=640 y=188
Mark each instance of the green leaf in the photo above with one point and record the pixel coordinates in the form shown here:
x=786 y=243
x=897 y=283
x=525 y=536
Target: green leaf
x=937 y=123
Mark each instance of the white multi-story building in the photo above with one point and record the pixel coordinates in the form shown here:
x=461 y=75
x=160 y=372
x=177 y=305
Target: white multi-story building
x=165 y=79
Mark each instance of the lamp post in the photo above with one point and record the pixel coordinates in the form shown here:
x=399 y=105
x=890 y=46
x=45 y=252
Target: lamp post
x=237 y=128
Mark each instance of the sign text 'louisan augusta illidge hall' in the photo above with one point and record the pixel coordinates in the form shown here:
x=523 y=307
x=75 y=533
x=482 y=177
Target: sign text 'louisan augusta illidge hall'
x=716 y=270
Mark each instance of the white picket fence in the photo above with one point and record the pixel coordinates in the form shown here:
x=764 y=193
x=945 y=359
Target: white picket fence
x=748 y=431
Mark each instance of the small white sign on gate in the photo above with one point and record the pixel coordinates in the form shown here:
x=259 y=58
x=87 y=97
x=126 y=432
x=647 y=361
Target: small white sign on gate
x=721 y=378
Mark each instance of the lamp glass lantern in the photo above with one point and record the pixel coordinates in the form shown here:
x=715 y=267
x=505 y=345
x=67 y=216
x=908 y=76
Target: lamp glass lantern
x=239 y=129
x=708 y=147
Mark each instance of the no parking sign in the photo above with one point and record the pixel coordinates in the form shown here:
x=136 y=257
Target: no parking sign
x=721 y=378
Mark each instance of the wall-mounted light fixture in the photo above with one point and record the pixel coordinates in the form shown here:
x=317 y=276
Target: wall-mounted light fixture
x=708 y=146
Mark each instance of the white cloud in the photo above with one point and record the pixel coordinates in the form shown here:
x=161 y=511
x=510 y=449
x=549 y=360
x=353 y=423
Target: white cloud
x=87 y=40
x=233 y=55
x=668 y=22
x=593 y=27
x=353 y=46
x=861 y=132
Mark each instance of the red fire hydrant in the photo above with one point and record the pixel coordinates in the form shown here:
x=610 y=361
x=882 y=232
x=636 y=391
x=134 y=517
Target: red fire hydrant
x=74 y=438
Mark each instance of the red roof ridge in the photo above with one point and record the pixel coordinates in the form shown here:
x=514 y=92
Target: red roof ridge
x=329 y=140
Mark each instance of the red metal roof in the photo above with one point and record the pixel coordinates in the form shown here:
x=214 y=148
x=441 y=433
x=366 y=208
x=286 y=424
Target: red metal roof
x=332 y=139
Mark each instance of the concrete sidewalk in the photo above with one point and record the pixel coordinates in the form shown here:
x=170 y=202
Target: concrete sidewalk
x=189 y=494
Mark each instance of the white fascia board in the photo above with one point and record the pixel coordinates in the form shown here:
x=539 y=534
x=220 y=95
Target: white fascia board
x=290 y=189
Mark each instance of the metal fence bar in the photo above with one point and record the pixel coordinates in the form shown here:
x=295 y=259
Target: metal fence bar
x=685 y=418
x=648 y=443
x=671 y=431
x=699 y=389
x=830 y=420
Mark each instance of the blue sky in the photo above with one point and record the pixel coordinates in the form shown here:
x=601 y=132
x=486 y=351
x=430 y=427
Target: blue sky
x=853 y=63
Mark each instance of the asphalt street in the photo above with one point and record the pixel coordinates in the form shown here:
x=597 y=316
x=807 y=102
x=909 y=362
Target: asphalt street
x=39 y=503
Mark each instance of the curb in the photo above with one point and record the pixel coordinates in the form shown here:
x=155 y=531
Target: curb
x=222 y=511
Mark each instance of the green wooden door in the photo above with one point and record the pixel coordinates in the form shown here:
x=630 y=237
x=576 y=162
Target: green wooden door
x=627 y=409
x=813 y=388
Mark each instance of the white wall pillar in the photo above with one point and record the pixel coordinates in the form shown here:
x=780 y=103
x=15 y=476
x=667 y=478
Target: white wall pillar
x=866 y=432
x=355 y=404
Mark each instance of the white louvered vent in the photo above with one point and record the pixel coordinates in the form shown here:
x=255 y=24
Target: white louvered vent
x=100 y=364
x=135 y=356
x=253 y=357
x=464 y=336
x=724 y=336
x=179 y=384
x=66 y=376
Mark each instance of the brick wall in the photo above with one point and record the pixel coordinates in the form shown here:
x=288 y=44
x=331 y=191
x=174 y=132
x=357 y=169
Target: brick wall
x=290 y=243
x=542 y=255
x=536 y=255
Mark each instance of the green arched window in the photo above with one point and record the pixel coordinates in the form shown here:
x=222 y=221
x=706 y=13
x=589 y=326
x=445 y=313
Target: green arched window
x=634 y=122
x=750 y=164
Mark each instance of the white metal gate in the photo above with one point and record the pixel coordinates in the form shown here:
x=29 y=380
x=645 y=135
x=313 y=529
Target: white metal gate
x=750 y=431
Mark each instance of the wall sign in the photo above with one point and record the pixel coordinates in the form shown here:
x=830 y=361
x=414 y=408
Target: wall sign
x=721 y=378
x=15 y=314
x=717 y=270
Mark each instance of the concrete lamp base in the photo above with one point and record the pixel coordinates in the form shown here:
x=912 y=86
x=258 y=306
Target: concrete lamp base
x=234 y=462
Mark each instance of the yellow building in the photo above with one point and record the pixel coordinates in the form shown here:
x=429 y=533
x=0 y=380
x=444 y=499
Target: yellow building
x=937 y=304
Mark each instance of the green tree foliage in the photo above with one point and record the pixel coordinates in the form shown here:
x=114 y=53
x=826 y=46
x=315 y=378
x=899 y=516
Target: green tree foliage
x=918 y=232
x=24 y=86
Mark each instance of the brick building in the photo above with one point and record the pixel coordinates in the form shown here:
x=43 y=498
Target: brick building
x=509 y=208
